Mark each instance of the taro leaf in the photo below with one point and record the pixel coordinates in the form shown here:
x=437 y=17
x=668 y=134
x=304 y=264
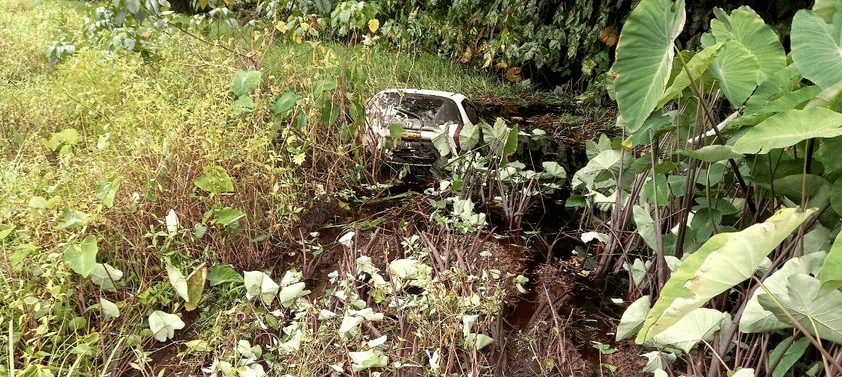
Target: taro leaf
x=469 y=136
x=789 y=128
x=291 y=292
x=72 y=218
x=178 y=281
x=725 y=260
x=81 y=257
x=242 y=105
x=258 y=284
x=644 y=57
x=831 y=272
x=285 y=103
x=826 y=9
x=107 y=190
x=511 y=142
x=228 y=217
x=223 y=273
x=245 y=82
x=554 y=169
x=818 y=314
x=603 y=167
x=477 y=341
x=645 y=226
x=163 y=325
x=737 y=71
x=322 y=86
x=65 y=138
x=658 y=360
x=755 y=319
x=816 y=47
x=746 y=27
x=368 y=359
x=38 y=202
x=697 y=65
x=172 y=221
x=633 y=318
x=105 y=276
x=711 y=153
x=790 y=357
x=791 y=186
x=329 y=110
x=698 y=325
x=215 y=180
x=6 y=230
x=108 y=308
x=195 y=287
x=441 y=140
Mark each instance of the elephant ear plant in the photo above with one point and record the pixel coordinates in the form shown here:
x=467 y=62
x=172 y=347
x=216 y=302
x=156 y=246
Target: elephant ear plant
x=727 y=169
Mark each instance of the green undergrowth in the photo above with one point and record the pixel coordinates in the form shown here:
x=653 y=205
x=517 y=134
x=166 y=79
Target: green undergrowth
x=119 y=174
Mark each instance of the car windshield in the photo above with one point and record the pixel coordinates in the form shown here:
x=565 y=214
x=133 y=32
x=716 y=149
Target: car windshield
x=415 y=111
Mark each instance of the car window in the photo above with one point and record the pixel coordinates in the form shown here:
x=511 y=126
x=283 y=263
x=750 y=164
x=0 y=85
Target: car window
x=413 y=109
x=471 y=111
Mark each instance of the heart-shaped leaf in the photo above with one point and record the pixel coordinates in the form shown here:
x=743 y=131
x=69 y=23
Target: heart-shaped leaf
x=816 y=47
x=105 y=276
x=790 y=128
x=109 y=308
x=285 y=103
x=215 y=180
x=107 y=190
x=81 y=257
x=644 y=57
x=163 y=325
x=245 y=82
x=258 y=284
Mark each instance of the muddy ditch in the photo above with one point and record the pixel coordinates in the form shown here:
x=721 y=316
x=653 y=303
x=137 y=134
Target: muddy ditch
x=549 y=330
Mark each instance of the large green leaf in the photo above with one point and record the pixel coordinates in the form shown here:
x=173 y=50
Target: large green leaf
x=633 y=318
x=793 y=353
x=831 y=271
x=755 y=319
x=107 y=190
x=105 y=276
x=698 y=325
x=817 y=313
x=789 y=128
x=826 y=9
x=223 y=273
x=644 y=57
x=737 y=70
x=285 y=103
x=745 y=27
x=816 y=47
x=725 y=260
x=245 y=82
x=697 y=65
x=81 y=257
x=215 y=180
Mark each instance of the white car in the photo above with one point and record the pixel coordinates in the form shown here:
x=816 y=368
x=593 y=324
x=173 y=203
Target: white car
x=421 y=114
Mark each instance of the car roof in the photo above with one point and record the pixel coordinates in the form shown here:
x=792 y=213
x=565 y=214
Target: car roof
x=457 y=97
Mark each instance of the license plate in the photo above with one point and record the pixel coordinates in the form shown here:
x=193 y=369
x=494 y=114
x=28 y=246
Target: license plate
x=410 y=135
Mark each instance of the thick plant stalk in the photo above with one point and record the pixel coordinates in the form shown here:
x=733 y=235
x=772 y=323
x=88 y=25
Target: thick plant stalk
x=709 y=117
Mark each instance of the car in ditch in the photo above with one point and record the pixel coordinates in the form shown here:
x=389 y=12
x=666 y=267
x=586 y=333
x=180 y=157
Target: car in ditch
x=416 y=117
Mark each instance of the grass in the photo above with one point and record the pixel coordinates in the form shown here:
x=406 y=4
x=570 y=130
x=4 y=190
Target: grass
x=158 y=126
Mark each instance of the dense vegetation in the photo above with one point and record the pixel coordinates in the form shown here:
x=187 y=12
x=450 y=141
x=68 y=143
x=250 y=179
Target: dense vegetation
x=191 y=194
